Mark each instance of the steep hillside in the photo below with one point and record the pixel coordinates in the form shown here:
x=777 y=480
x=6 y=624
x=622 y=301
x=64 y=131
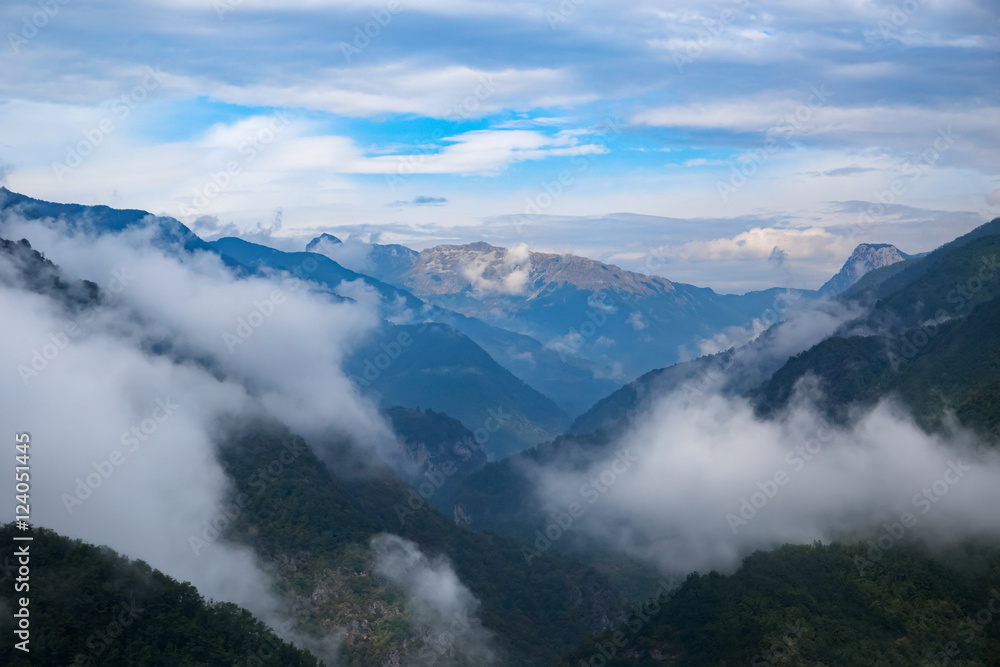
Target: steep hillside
x=433 y=365
x=30 y=270
x=932 y=342
x=436 y=447
x=634 y=398
x=317 y=528
x=91 y=606
x=813 y=605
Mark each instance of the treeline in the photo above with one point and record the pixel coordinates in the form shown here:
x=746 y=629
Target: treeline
x=91 y=606
x=819 y=606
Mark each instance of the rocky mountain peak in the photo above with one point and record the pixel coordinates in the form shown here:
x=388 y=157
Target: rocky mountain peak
x=866 y=258
x=323 y=239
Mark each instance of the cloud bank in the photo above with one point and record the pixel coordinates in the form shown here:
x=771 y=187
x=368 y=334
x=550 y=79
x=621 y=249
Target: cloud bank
x=712 y=482
x=123 y=400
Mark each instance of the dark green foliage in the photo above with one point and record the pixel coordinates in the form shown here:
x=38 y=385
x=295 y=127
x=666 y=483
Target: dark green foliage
x=307 y=516
x=812 y=606
x=91 y=606
x=937 y=345
x=935 y=291
x=848 y=369
x=436 y=450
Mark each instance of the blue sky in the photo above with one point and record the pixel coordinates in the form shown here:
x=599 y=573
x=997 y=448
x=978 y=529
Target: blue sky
x=730 y=144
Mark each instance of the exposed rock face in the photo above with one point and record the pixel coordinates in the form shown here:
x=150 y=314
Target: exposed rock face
x=866 y=258
x=487 y=269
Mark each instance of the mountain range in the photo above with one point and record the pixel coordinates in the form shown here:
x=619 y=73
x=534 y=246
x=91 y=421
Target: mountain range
x=454 y=506
x=624 y=322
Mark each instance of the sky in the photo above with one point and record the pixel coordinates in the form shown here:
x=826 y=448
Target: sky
x=732 y=144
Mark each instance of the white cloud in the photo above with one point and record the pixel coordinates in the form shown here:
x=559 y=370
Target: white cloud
x=508 y=270
x=635 y=319
x=407 y=88
x=851 y=123
x=437 y=601
x=479 y=152
x=701 y=491
x=760 y=242
x=184 y=345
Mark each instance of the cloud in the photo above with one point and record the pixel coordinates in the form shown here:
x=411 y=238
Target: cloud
x=404 y=87
x=426 y=201
x=437 y=601
x=777 y=257
x=145 y=380
x=764 y=243
x=848 y=171
x=419 y=201
x=906 y=130
x=419 y=95
x=479 y=152
x=731 y=337
x=711 y=483
x=499 y=271
x=635 y=319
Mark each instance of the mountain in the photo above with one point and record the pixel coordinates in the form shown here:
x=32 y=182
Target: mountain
x=626 y=322
x=385 y=262
x=433 y=365
x=436 y=447
x=870 y=265
x=930 y=339
x=866 y=258
x=429 y=365
x=171 y=234
x=812 y=605
x=733 y=372
x=319 y=530
x=570 y=382
x=90 y=605
x=319 y=526
x=314 y=268
x=324 y=522
x=573 y=383
x=922 y=341
x=323 y=242
x=491 y=270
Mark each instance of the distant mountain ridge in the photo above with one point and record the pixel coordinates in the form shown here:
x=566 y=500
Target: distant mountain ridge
x=542 y=375
x=626 y=322
x=488 y=269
